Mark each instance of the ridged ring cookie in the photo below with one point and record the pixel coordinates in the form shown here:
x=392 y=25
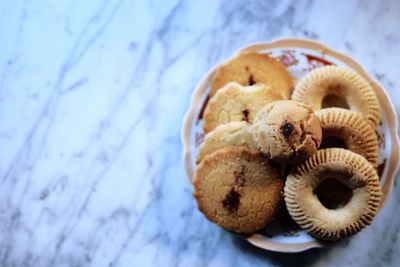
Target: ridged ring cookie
x=337 y=84
x=239 y=189
x=341 y=165
x=349 y=130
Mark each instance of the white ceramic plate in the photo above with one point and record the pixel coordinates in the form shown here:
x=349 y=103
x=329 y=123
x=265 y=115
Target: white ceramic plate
x=300 y=56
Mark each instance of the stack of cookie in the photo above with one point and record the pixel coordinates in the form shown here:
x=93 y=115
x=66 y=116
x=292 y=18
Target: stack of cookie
x=316 y=153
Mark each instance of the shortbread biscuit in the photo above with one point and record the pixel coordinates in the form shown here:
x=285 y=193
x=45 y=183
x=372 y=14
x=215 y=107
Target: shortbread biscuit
x=239 y=189
x=230 y=134
x=237 y=103
x=251 y=68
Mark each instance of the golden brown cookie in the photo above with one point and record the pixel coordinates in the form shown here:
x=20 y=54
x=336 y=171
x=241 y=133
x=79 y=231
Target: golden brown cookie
x=239 y=189
x=347 y=129
x=252 y=68
x=237 y=133
x=333 y=86
x=337 y=171
x=237 y=103
x=287 y=131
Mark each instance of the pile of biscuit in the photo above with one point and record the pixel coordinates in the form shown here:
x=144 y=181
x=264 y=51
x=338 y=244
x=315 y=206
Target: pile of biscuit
x=270 y=142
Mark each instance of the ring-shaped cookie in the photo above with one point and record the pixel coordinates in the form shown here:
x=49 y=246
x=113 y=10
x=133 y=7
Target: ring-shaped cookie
x=350 y=169
x=348 y=130
x=336 y=82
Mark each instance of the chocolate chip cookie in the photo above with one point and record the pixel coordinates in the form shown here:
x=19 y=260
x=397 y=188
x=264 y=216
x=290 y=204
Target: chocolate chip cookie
x=238 y=189
x=251 y=68
x=235 y=102
x=287 y=131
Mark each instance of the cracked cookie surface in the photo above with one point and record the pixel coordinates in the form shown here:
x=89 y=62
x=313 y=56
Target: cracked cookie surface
x=287 y=131
x=239 y=189
x=229 y=134
x=237 y=103
x=251 y=68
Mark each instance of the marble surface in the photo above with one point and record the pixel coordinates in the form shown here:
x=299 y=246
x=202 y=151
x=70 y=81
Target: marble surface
x=92 y=96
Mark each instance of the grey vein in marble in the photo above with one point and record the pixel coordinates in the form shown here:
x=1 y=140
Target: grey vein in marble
x=92 y=95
